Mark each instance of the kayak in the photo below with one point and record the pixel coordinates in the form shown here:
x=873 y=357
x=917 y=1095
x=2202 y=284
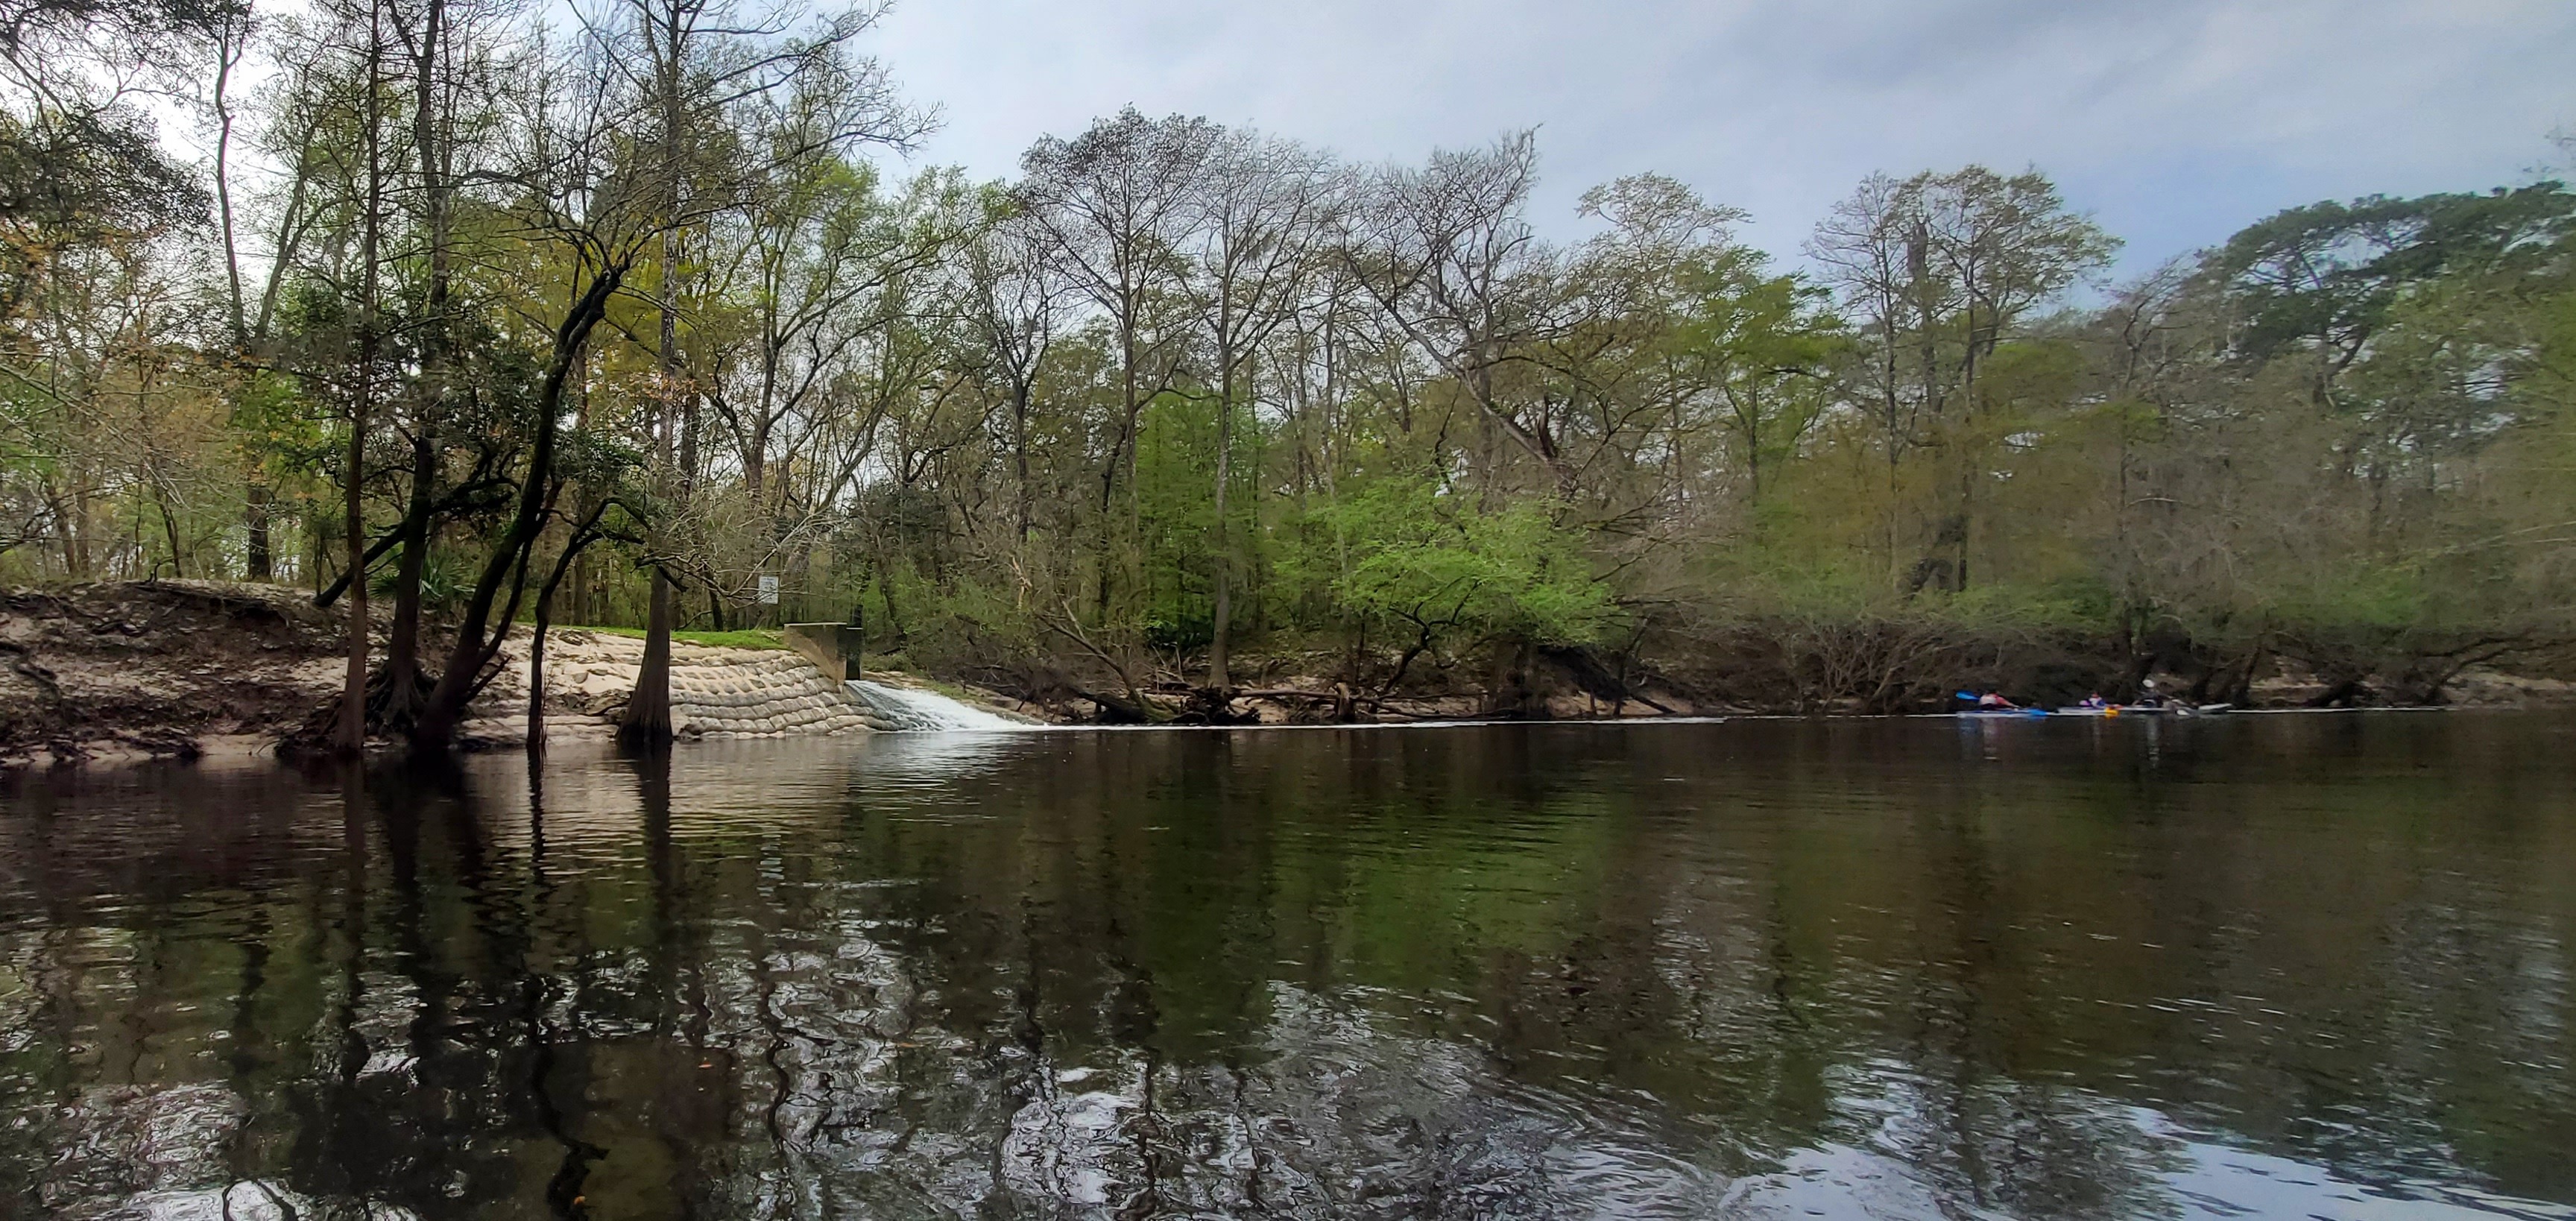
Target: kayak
x=2145 y=710
x=2114 y=710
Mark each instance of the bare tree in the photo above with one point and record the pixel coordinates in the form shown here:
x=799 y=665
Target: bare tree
x=1943 y=268
x=696 y=65
x=351 y=736
x=1448 y=255
x=1014 y=303
x=1116 y=204
x=594 y=212
x=1263 y=208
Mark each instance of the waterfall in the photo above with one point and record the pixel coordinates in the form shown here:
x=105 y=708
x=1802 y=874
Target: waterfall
x=911 y=708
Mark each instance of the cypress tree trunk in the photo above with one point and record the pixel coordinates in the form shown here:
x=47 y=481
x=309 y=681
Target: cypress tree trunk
x=648 y=710
x=351 y=737
x=1218 y=676
x=402 y=652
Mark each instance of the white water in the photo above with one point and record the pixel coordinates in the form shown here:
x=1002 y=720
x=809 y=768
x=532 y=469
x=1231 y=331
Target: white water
x=927 y=711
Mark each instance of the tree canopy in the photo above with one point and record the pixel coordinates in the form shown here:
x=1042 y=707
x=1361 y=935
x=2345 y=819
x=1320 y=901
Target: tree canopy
x=606 y=324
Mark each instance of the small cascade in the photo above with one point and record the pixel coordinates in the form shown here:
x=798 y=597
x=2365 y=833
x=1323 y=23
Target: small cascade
x=910 y=708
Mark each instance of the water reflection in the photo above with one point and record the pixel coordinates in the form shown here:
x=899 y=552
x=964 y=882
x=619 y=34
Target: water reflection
x=2313 y=966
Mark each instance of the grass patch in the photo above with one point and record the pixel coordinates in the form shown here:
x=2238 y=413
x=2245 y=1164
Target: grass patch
x=745 y=638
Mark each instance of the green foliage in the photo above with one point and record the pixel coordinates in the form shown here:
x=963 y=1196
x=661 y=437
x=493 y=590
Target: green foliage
x=445 y=579
x=2330 y=275
x=994 y=415
x=1433 y=566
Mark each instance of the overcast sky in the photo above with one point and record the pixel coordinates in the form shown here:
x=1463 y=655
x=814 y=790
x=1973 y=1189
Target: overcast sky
x=2174 y=122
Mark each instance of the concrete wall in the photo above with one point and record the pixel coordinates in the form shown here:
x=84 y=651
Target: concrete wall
x=832 y=647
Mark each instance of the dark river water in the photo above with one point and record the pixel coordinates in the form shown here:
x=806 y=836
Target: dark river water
x=2304 y=966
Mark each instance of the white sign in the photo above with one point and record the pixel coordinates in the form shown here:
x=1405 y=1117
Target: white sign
x=769 y=591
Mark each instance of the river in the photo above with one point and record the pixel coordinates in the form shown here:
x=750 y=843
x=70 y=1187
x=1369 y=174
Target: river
x=2255 y=965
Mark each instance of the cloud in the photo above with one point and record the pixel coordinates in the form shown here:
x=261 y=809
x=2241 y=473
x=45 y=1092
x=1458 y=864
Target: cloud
x=2176 y=122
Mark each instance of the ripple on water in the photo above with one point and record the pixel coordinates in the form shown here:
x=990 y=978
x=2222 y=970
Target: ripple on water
x=1741 y=970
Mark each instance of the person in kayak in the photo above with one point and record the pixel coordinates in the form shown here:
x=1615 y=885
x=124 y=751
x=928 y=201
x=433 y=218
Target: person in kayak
x=1995 y=701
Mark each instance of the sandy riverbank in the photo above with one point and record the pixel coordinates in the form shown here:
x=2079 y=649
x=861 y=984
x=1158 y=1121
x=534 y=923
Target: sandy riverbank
x=191 y=668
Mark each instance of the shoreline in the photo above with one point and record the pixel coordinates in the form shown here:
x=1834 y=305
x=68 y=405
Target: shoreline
x=237 y=751
x=112 y=672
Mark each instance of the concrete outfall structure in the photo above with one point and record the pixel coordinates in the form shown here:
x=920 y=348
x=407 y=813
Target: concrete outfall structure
x=189 y=669
x=834 y=648
x=715 y=692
